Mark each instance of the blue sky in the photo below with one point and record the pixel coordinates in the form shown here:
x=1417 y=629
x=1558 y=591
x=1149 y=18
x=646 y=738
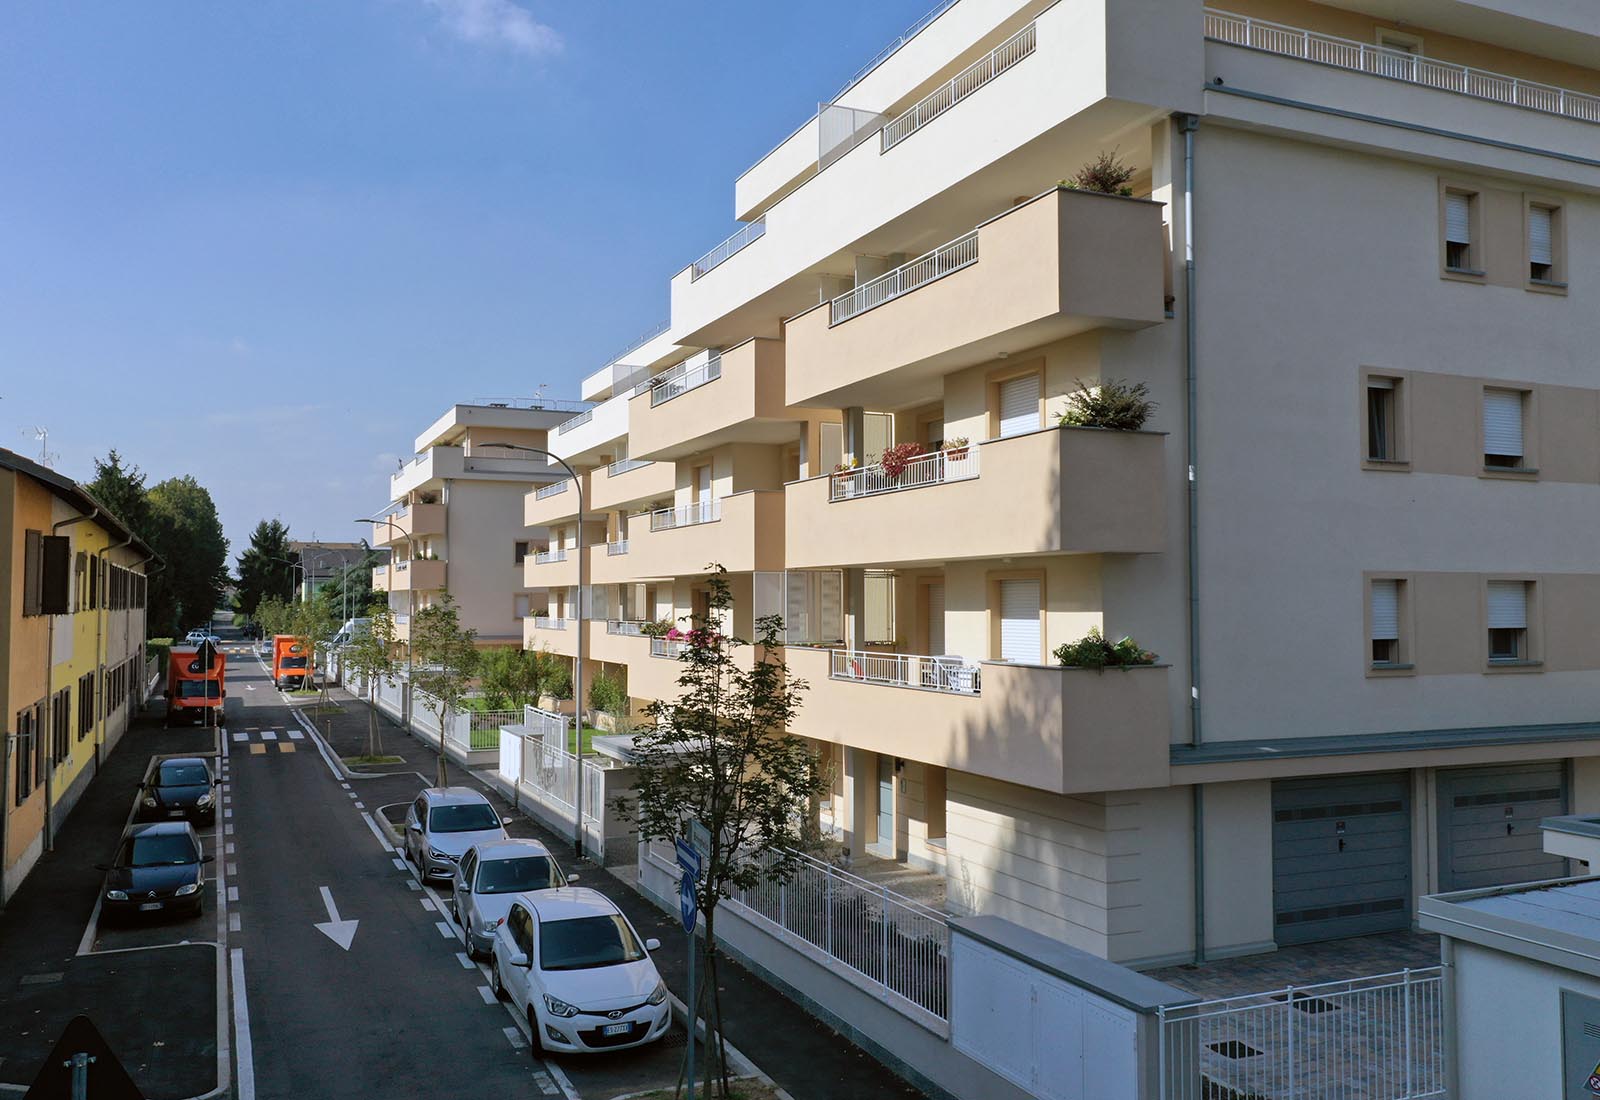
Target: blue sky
x=266 y=242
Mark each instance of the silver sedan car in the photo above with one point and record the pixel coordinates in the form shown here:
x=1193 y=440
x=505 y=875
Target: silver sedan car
x=487 y=881
x=442 y=823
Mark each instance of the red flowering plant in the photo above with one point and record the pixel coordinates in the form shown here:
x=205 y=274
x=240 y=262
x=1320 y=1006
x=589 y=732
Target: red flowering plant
x=897 y=458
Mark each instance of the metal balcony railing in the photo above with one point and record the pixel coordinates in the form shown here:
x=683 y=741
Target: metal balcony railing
x=952 y=675
x=942 y=261
x=686 y=515
x=959 y=87
x=616 y=549
x=627 y=628
x=894 y=47
x=747 y=235
x=623 y=465
x=549 y=622
x=959 y=464
x=670 y=648
x=575 y=422
x=545 y=557
x=544 y=492
x=1345 y=53
x=683 y=378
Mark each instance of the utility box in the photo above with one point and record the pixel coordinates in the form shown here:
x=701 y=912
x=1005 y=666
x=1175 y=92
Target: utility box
x=1580 y=1044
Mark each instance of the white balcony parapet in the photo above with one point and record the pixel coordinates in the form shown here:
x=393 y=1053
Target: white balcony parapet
x=553 y=489
x=683 y=378
x=575 y=422
x=544 y=404
x=747 y=235
x=1345 y=53
x=627 y=628
x=936 y=468
x=670 y=648
x=944 y=260
x=549 y=622
x=958 y=87
x=623 y=465
x=952 y=675
x=894 y=47
x=686 y=515
x=545 y=557
x=617 y=548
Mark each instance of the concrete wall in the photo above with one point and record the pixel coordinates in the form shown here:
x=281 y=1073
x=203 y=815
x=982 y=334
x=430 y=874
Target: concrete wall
x=485 y=523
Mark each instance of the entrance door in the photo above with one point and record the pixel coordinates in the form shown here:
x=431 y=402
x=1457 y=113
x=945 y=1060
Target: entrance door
x=886 y=804
x=1489 y=824
x=1341 y=857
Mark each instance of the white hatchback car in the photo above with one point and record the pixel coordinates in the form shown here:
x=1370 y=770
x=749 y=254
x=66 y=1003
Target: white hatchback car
x=570 y=960
x=488 y=879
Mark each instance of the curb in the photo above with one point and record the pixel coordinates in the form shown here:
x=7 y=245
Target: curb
x=741 y=1067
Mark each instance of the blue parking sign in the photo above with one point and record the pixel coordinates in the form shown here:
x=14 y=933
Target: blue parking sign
x=686 y=902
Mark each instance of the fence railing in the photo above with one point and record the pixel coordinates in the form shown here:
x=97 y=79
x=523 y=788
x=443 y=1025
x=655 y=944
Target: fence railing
x=545 y=557
x=623 y=465
x=549 y=622
x=1345 y=53
x=575 y=422
x=686 y=515
x=953 y=675
x=942 y=261
x=544 y=724
x=959 y=87
x=745 y=236
x=555 y=488
x=894 y=47
x=1375 y=1038
x=489 y=722
x=670 y=648
x=552 y=772
x=617 y=548
x=680 y=380
x=627 y=628
x=929 y=469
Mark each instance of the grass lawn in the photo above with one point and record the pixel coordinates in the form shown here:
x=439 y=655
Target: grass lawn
x=743 y=1088
x=588 y=736
x=374 y=759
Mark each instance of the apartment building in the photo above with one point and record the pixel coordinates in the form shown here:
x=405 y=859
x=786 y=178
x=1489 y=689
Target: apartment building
x=72 y=634
x=1357 y=266
x=454 y=520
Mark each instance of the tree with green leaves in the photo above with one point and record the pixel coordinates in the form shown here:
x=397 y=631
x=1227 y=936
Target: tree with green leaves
x=352 y=587
x=187 y=533
x=313 y=622
x=121 y=489
x=512 y=678
x=722 y=754
x=444 y=658
x=272 y=615
x=265 y=567
x=371 y=655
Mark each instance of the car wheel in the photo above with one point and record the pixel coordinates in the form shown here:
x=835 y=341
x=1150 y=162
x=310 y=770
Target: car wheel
x=494 y=979
x=538 y=1038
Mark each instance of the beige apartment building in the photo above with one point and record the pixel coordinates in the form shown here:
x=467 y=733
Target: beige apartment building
x=454 y=520
x=1359 y=271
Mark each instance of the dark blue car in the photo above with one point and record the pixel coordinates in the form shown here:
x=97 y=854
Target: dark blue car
x=181 y=787
x=159 y=868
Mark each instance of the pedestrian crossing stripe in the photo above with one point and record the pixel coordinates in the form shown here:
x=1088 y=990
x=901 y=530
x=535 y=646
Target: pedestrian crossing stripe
x=269 y=735
x=257 y=750
x=284 y=746
x=296 y=735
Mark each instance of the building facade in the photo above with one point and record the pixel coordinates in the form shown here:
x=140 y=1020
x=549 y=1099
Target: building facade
x=72 y=634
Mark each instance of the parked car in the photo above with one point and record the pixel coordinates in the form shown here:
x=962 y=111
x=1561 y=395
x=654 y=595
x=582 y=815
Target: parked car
x=570 y=960
x=264 y=649
x=158 y=868
x=442 y=823
x=194 y=637
x=178 y=787
x=489 y=876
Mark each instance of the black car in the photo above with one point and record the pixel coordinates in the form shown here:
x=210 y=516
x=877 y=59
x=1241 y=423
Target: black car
x=160 y=868
x=179 y=787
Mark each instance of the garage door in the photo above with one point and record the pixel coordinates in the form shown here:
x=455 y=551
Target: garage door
x=1341 y=857
x=1489 y=824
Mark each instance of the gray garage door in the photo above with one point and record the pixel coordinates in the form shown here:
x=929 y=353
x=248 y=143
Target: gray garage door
x=1489 y=824
x=1341 y=857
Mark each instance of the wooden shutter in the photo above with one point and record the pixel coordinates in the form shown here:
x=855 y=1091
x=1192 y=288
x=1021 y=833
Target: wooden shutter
x=1019 y=406
x=1457 y=218
x=1508 y=605
x=1539 y=235
x=1019 y=621
x=1502 y=423
x=1385 y=611
x=55 y=580
x=32 y=571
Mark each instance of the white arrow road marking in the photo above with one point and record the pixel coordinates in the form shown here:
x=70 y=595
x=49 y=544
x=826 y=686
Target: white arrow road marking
x=341 y=932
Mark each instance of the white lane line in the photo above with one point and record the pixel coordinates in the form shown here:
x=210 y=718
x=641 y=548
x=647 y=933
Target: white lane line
x=487 y=994
x=360 y=805
x=377 y=832
x=241 y=736
x=349 y=794
x=227 y=830
x=233 y=869
x=445 y=930
x=413 y=884
x=427 y=903
x=466 y=963
x=233 y=893
x=269 y=735
x=233 y=922
x=399 y=864
x=245 y=1083
x=562 y=1080
x=296 y=735
x=513 y=1036
x=228 y=849
x=227 y=813
x=346 y=786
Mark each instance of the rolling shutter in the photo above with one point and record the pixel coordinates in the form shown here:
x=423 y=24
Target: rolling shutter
x=1508 y=605
x=1019 y=406
x=879 y=623
x=1458 y=218
x=1019 y=621
x=936 y=620
x=1385 y=610
x=1502 y=423
x=1539 y=234
x=877 y=436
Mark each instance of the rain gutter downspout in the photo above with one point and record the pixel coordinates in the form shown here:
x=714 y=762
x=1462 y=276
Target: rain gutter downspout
x=1187 y=125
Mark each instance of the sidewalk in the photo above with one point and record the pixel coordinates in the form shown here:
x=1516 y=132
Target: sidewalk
x=804 y=1056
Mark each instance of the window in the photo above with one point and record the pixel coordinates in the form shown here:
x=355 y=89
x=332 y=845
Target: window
x=1460 y=209
x=61 y=725
x=1018 y=405
x=1508 y=621
x=521 y=550
x=878 y=610
x=86 y=704
x=23 y=783
x=1019 y=622
x=1383 y=419
x=1386 y=622
x=1502 y=429
x=1542 y=244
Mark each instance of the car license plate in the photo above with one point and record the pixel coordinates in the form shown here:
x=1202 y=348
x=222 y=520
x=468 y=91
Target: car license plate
x=616 y=1029
x=174 y=813
x=150 y=905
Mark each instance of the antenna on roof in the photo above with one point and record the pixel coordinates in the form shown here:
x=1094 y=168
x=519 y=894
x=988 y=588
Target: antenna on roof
x=538 y=396
x=47 y=457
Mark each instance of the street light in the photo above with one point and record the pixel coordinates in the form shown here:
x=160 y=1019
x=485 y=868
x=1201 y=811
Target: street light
x=577 y=680
x=411 y=609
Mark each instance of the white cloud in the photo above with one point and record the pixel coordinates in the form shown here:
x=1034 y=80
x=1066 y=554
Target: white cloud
x=497 y=23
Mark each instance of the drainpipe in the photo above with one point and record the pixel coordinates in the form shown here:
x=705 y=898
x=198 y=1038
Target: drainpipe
x=49 y=701
x=1187 y=125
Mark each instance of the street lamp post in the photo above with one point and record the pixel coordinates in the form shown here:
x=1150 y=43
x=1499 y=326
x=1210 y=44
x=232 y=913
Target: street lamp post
x=411 y=610
x=577 y=680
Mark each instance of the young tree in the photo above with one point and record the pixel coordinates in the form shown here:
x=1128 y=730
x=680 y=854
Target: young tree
x=722 y=754
x=444 y=659
x=272 y=615
x=511 y=677
x=370 y=655
x=312 y=623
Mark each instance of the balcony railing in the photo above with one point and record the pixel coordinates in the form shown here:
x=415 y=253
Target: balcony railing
x=623 y=465
x=924 y=470
x=617 y=548
x=686 y=515
x=894 y=47
x=627 y=628
x=575 y=422
x=546 y=404
x=549 y=622
x=959 y=87
x=544 y=492
x=919 y=272
x=747 y=235
x=545 y=557
x=681 y=379
x=670 y=648
x=1345 y=53
x=952 y=675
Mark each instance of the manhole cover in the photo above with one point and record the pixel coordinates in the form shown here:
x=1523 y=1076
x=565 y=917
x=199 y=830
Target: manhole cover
x=1233 y=1048
x=42 y=979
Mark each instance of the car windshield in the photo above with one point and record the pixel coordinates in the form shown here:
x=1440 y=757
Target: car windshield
x=469 y=817
x=196 y=689
x=292 y=662
x=586 y=942
x=184 y=775
x=159 y=850
x=512 y=876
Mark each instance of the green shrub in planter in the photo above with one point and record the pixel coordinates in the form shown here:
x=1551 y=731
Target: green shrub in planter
x=1110 y=404
x=1093 y=651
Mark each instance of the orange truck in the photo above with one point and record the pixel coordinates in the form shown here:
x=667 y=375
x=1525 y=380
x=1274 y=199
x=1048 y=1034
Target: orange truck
x=291 y=664
x=196 y=684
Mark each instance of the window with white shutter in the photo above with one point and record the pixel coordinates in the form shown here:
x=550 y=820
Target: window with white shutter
x=1458 y=230
x=1507 y=607
x=1019 y=622
x=878 y=622
x=1019 y=405
x=1502 y=428
x=1541 y=244
x=1385 y=622
x=1383 y=419
x=936 y=619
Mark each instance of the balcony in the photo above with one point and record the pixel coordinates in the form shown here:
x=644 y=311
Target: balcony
x=742 y=238
x=555 y=568
x=380 y=578
x=1056 y=729
x=581 y=440
x=732 y=397
x=414 y=521
x=542 y=632
x=742 y=532
x=631 y=481
x=417 y=575
x=1066 y=262
x=1057 y=491
x=552 y=503
x=437 y=464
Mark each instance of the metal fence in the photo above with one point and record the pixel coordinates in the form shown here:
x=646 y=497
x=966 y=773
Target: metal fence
x=549 y=622
x=628 y=628
x=943 y=673
x=551 y=772
x=670 y=648
x=616 y=548
x=1344 y=53
x=575 y=422
x=545 y=557
x=1375 y=1038
x=745 y=236
x=484 y=726
x=960 y=464
x=960 y=86
x=686 y=515
x=554 y=488
x=959 y=253
x=681 y=379
x=623 y=465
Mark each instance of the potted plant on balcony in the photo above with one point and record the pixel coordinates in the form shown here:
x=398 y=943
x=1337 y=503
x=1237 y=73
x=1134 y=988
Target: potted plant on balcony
x=1110 y=403
x=1094 y=651
x=895 y=459
x=957 y=448
x=1106 y=174
x=658 y=629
